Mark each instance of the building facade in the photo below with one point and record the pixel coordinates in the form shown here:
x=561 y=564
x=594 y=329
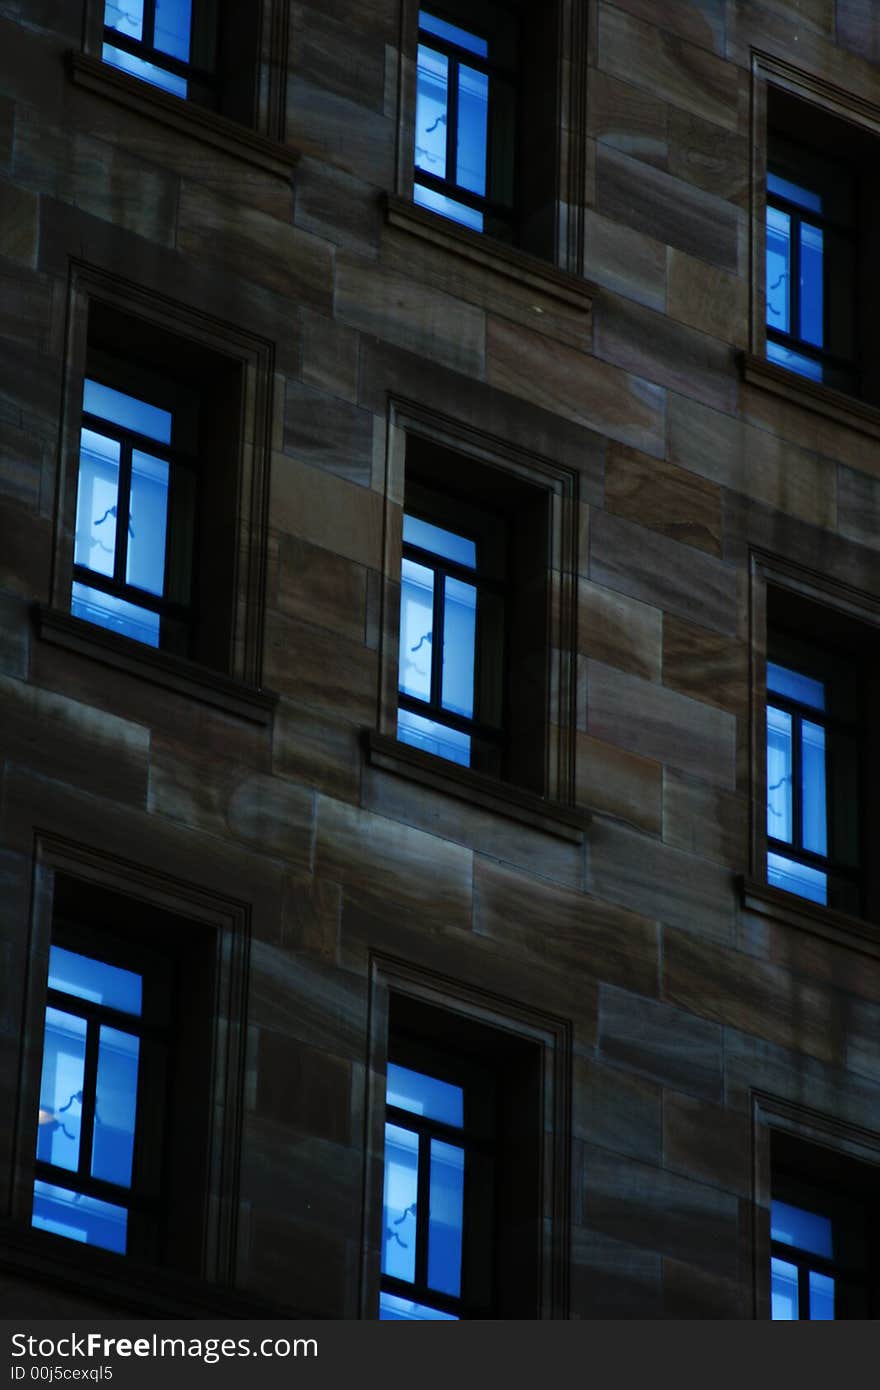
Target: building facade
x=439 y=501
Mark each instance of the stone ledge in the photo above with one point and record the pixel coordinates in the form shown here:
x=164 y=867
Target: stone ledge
x=190 y=119
x=159 y=668
x=494 y=255
x=797 y=912
x=812 y=395
x=551 y=817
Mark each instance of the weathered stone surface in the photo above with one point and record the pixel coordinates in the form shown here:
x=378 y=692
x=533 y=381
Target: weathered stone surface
x=663 y=497
x=668 y=1045
x=618 y=630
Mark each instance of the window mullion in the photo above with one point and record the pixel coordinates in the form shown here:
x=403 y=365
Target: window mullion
x=437 y=639
x=423 y=1210
x=123 y=513
x=149 y=25
x=452 y=123
x=794 y=303
x=803 y=1292
x=797 y=800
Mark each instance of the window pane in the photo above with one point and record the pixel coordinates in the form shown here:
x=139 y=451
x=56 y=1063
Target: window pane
x=97 y=495
x=815 y=815
x=416 y=629
x=821 y=1297
x=459 y=645
x=453 y=34
x=125 y=16
x=425 y=1095
x=778 y=269
x=147 y=72
x=812 y=285
x=78 y=1217
x=473 y=120
x=440 y=542
x=433 y=737
x=448 y=207
x=173 y=24
x=779 y=774
x=432 y=83
x=399 y=1209
x=147 y=521
x=783 y=1291
x=115 y=614
x=446 y=1216
x=795 y=361
x=61 y=1084
x=392 y=1308
x=797 y=878
x=115 y=1105
x=794 y=193
x=127 y=411
x=807 y=691
x=806 y=1230
x=95 y=980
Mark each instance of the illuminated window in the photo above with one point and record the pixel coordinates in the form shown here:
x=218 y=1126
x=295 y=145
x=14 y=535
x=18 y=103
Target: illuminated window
x=168 y=43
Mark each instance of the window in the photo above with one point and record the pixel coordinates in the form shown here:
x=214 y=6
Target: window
x=465 y=118
x=473 y=654
x=822 y=218
x=161 y=529
x=469 y=1167
x=812 y=759
x=494 y=131
x=823 y=1233
x=132 y=551
x=124 y=1117
x=438 y=1151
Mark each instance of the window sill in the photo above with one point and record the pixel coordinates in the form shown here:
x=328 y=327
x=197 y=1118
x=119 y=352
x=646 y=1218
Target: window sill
x=186 y=116
x=515 y=803
x=123 y=1282
x=494 y=255
x=839 y=927
x=159 y=668
x=812 y=395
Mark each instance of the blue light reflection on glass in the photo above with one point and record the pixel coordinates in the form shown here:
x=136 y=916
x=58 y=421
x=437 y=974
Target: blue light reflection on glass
x=821 y=1297
x=115 y=1106
x=807 y=691
x=416 y=629
x=400 y=1202
x=395 y=1309
x=148 y=518
x=779 y=774
x=432 y=737
x=812 y=285
x=424 y=1095
x=446 y=1214
x=459 y=647
x=126 y=17
x=127 y=411
x=432 y=95
x=95 y=980
x=147 y=72
x=61 y=1085
x=805 y=1230
x=453 y=34
x=797 y=878
x=794 y=361
x=473 y=124
x=448 y=207
x=78 y=1217
x=97 y=498
x=813 y=802
x=173 y=25
x=116 y=614
x=778 y=269
x=783 y=1290
x=439 y=541
x=794 y=193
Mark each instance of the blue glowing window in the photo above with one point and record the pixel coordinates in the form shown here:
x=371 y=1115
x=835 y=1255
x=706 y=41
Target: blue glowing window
x=128 y=491
x=797 y=784
x=87 y=1122
x=152 y=40
x=802 y=1272
x=426 y=1169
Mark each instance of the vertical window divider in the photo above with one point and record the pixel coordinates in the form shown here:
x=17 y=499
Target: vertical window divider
x=437 y=642
x=149 y=25
x=423 y=1210
x=89 y=1100
x=452 y=122
x=123 y=512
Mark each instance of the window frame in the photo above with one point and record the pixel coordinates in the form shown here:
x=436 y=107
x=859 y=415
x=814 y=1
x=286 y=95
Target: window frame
x=236 y=667
x=145 y=50
x=554 y=808
x=208 y=1254
x=497 y=1019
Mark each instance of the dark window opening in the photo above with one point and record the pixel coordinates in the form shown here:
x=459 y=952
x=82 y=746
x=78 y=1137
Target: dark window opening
x=823 y=1234
x=473 y=661
x=123 y=1113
